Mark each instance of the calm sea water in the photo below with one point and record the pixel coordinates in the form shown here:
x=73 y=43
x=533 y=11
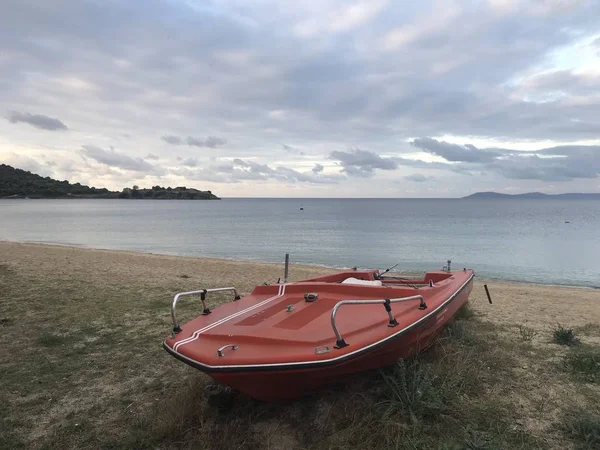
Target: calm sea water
x=524 y=240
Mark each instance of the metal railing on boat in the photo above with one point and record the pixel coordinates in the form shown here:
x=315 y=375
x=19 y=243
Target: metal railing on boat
x=386 y=302
x=202 y=292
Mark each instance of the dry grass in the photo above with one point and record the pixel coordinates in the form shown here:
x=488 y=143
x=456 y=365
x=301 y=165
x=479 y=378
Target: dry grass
x=81 y=366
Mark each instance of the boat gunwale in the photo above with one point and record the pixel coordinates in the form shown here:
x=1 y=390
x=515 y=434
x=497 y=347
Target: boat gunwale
x=314 y=363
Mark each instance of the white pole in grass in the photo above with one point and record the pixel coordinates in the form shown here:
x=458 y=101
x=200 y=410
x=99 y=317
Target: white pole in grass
x=287 y=266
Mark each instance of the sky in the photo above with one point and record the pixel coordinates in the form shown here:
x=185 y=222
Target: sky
x=327 y=98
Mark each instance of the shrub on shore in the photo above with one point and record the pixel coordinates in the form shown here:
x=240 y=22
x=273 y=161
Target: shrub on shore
x=565 y=336
x=527 y=333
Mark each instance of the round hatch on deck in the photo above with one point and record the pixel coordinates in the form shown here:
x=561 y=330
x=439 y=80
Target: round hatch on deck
x=311 y=296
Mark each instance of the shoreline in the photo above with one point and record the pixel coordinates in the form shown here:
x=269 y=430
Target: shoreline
x=292 y=264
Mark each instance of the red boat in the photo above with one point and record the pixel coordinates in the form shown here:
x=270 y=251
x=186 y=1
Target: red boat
x=285 y=340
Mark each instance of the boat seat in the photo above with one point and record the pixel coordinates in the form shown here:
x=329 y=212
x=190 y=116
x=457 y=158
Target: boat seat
x=353 y=280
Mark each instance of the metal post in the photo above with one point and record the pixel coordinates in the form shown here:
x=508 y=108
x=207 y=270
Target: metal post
x=287 y=266
x=487 y=292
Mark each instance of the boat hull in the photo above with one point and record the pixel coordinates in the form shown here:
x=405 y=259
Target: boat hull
x=277 y=382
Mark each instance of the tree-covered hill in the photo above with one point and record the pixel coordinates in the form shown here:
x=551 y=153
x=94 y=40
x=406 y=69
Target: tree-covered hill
x=20 y=183
x=17 y=183
x=158 y=192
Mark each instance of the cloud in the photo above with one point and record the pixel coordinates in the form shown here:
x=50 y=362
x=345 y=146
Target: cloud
x=560 y=84
x=238 y=170
x=362 y=163
x=339 y=17
x=37 y=120
x=190 y=162
x=113 y=159
x=318 y=168
x=560 y=163
x=152 y=156
x=210 y=141
x=454 y=152
x=173 y=140
x=418 y=178
x=563 y=163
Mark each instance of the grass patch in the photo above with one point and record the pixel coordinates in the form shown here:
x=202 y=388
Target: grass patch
x=465 y=312
x=411 y=391
x=584 y=363
x=460 y=331
x=584 y=427
x=564 y=336
x=49 y=339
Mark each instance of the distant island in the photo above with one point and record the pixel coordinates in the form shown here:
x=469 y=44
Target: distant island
x=17 y=183
x=533 y=195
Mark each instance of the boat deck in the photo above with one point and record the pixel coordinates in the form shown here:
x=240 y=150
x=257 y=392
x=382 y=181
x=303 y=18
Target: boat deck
x=276 y=324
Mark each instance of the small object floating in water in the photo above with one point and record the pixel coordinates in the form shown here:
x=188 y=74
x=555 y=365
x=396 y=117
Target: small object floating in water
x=566 y=221
x=339 y=324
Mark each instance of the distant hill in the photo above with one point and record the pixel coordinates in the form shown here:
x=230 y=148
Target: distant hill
x=534 y=195
x=17 y=183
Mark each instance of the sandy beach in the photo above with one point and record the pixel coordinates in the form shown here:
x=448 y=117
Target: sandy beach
x=540 y=305
x=81 y=333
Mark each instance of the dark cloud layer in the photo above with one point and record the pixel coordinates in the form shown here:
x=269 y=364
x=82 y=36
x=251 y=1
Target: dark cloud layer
x=37 y=120
x=453 y=152
x=561 y=163
x=224 y=63
x=362 y=163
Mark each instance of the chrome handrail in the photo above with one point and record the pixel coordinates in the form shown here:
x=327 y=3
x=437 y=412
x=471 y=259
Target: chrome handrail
x=202 y=292
x=220 y=353
x=340 y=343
